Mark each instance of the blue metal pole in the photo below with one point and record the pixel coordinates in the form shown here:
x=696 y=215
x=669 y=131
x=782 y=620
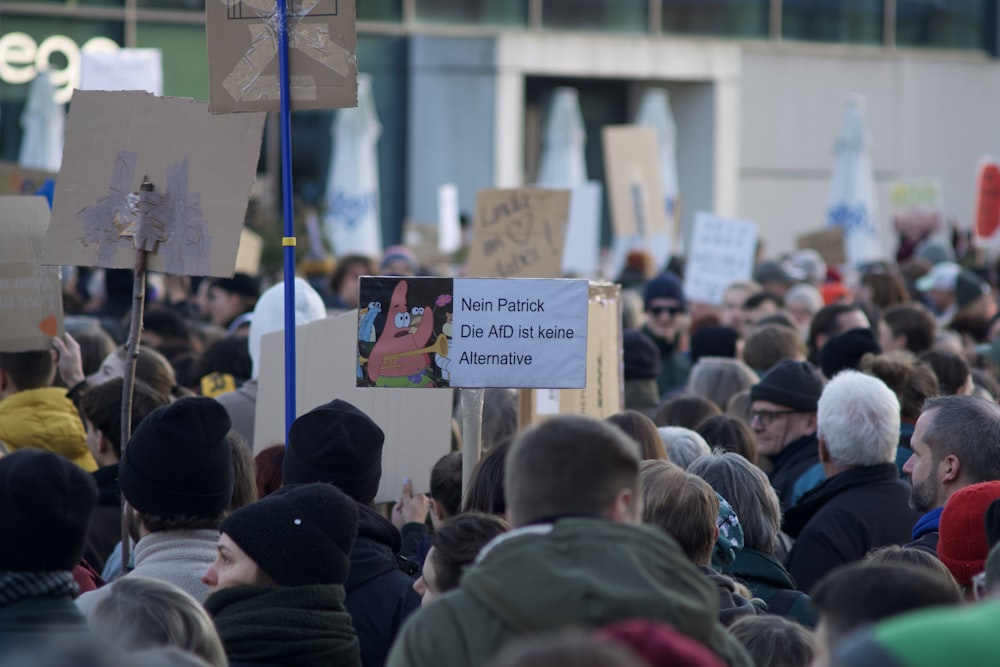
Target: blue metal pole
x=288 y=242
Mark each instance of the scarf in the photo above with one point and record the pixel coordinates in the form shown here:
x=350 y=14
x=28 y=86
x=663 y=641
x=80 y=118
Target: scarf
x=299 y=626
x=15 y=586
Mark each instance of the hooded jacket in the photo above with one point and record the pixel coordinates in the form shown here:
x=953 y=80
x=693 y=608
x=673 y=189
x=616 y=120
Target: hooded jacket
x=45 y=419
x=769 y=581
x=577 y=572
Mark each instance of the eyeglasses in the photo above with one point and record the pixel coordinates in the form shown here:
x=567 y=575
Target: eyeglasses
x=656 y=311
x=768 y=416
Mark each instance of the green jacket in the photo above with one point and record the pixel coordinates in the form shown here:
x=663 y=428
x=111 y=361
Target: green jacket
x=675 y=366
x=578 y=572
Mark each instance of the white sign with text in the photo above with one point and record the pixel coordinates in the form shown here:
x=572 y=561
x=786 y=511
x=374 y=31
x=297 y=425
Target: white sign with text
x=722 y=252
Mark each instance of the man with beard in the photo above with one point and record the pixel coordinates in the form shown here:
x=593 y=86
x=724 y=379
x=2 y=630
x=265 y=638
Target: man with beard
x=955 y=443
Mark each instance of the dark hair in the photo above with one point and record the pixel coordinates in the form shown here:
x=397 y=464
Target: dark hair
x=894 y=553
x=486 y=491
x=568 y=465
x=887 y=289
x=971 y=324
x=730 y=434
x=641 y=428
x=911 y=380
x=825 y=323
x=446 y=483
x=774 y=641
x=770 y=343
x=244 y=471
x=777 y=319
x=985 y=380
x=756 y=300
x=345 y=263
x=687 y=410
x=858 y=594
x=268 y=464
x=968 y=427
x=457 y=542
x=156 y=523
x=682 y=505
x=229 y=355
x=499 y=416
x=28 y=370
x=951 y=370
x=913 y=321
x=95 y=344
x=102 y=406
x=166 y=323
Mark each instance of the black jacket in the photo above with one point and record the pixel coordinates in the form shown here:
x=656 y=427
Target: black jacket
x=844 y=517
x=29 y=622
x=379 y=595
x=790 y=463
x=769 y=581
x=106 y=523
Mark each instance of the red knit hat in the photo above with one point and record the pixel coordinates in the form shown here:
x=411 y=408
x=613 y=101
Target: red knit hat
x=659 y=644
x=962 y=545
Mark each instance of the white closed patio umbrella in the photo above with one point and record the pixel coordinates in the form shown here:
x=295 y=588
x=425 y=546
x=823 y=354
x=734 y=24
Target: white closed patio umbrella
x=562 y=163
x=43 y=127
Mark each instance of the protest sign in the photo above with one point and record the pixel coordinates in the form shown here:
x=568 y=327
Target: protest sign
x=722 y=252
x=829 y=243
x=582 y=251
x=15 y=180
x=417 y=424
x=987 y=201
x=519 y=233
x=201 y=168
x=472 y=332
x=122 y=69
x=31 y=310
x=249 y=252
x=243 y=55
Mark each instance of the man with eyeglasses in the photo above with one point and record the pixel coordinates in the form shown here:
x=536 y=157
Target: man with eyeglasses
x=783 y=416
x=667 y=324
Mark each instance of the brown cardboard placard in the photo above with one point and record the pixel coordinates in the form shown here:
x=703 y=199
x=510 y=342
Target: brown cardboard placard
x=31 y=310
x=422 y=239
x=202 y=168
x=829 y=243
x=519 y=233
x=248 y=254
x=16 y=180
x=243 y=55
x=417 y=424
x=604 y=394
x=635 y=191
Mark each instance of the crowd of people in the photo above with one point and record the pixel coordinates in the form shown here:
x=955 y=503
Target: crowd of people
x=807 y=473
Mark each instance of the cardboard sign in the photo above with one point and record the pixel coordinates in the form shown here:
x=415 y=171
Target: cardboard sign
x=122 y=69
x=722 y=252
x=248 y=254
x=472 y=332
x=202 y=168
x=519 y=233
x=243 y=55
x=417 y=424
x=604 y=394
x=31 y=310
x=829 y=243
x=423 y=238
x=15 y=180
x=987 y=200
x=635 y=190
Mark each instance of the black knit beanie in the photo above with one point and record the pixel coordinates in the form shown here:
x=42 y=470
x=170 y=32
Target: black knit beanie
x=45 y=507
x=717 y=341
x=793 y=384
x=639 y=355
x=844 y=351
x=177 y=461
x=665 y=286
x=337 y=443
x=301 y=534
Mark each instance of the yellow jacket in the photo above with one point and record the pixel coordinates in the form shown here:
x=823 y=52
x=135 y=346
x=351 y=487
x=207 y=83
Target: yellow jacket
x=45 y=419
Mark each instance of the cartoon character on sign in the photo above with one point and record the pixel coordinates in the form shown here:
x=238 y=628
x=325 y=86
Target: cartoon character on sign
x=400 y=356
x=366 y=329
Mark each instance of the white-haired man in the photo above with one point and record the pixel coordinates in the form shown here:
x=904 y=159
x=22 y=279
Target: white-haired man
x=863 y=503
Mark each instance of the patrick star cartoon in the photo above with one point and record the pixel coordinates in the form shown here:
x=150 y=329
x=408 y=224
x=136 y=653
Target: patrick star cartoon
x=398 y=358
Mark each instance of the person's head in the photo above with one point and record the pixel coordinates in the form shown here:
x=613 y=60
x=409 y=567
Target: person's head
x=228 y=356
x=757 y=307
x=46 y=503
x=162 y=324
x=446 y=488
x=774 y=641
x=642 y=429
x=398 y=260
x=269 y=314
x=454 y=547
x=859 y=594
x=733 y=298
x=962 y=544
x=776 y=276
x=572 y=465
x=909 y=326
x=894 y=553
x=783 y=405
x=846 y=350
x=832 y=320
x=683 y=506
x=101 y=410
x=858 y=423
x=337 y=443
x=20 y=371
x=770 y=343
x=910 y=379
x=139 y=613
x=939 y=284
x=486 y=487
x=299 y=535
x=718 y=379
x=151 y=367
x=94 y=341
x=714 y=341
x=686 y=410
x=730 y=434
x=346 y=279
x=229 y=298
x=176 y=471
x=268 y=465
x=885 y=289
x=244 y=471
x=682 y=445
x=640 y=357
x=748 y=490
x=802 y=302
x=973 y=296
x=665 y=305
x=952 y=372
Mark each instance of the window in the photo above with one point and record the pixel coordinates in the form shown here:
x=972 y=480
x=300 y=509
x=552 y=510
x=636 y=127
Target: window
x=845 y=21
x=604 y=15
x=723 y=18
x=950 y=24
x=501 y=13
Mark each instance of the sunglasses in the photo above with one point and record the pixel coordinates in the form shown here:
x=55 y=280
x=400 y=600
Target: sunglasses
x=656 y=311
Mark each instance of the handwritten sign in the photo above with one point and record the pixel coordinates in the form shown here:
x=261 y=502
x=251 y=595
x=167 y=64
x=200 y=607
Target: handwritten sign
x=468 y=332
x=828 y=242
x=722 y=252
x=519 y=233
